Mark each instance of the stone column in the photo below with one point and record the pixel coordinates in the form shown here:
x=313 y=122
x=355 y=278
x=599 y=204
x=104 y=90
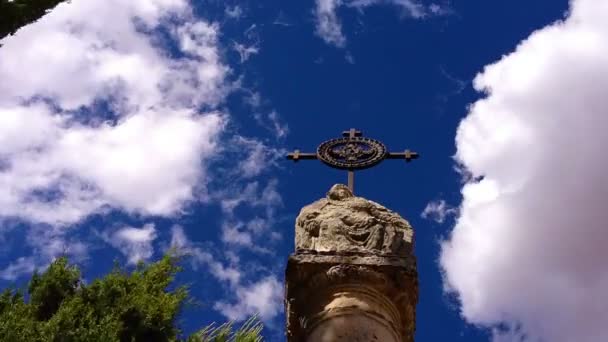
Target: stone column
x=353 y=276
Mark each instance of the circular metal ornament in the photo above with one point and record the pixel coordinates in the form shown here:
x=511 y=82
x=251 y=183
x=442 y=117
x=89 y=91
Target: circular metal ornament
x=351 y=153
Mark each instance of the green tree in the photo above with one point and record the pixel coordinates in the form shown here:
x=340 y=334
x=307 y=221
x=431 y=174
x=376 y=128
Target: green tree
x=17 y=13
x=120 y=307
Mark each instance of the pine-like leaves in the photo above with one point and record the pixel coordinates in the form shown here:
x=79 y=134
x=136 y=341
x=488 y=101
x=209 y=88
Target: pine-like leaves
x=120 y=307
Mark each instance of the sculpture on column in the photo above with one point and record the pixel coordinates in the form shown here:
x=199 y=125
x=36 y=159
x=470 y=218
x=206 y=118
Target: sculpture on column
x=344 y=223
x=353 y=276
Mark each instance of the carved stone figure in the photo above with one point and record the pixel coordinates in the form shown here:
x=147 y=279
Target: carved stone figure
x=345 y=223
x=353 y=276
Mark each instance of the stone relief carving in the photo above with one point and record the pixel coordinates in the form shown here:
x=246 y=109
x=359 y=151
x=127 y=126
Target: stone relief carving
x=345 y=223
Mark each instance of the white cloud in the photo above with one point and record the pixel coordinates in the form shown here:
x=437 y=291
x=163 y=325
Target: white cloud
x=21 y=266
x=48 y=243
x=268 y=119
x=349 y=58
x=282 y=20
x=232 y=233
x=62 y=159
x=179 y=240
x=254 y=99
x=257 y=225
x=258 y=156
x=412 y=8
x=245 y=51
x=529 y=247
x=134 y=243
x=268 y=198
x=184 y=246
x=280 y=128
x=264 y=298
x=438 y=211
x=234 y=12
x=252 y=231
x=252 y=33
x=271 y=121
x=45 y=244
x=329 y=27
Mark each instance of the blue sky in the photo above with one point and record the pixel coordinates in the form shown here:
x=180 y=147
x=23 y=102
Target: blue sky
x=129 y=127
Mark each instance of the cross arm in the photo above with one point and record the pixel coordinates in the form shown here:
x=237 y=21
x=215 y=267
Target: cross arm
x=407 y=155
x=297 y=155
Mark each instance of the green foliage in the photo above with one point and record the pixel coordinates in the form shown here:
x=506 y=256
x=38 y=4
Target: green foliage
x=120 y=307
x=48 y=291
x=18 y=13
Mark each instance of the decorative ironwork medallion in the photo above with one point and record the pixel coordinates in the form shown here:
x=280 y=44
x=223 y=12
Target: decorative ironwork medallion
x=351 y=153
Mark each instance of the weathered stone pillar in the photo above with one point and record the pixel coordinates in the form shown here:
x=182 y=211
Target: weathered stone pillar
x=353 y=276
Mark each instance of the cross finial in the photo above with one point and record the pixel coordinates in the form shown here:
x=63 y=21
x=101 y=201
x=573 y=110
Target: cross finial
x=352 y=152
x=351 y=133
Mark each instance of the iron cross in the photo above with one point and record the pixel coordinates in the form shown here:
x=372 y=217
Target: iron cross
x=352 y=152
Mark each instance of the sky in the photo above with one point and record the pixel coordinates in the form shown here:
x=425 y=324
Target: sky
x=130 y=127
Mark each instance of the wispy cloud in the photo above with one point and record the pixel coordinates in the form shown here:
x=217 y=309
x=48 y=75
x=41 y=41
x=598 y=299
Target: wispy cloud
x=42 y=245
x=281 y=129
x=411 y=8
x=247 y=232
x=438 y=211
x=263 y=297
x=329 y=26
x=234 y=12
x=199 y=257
x=19 y=267
x=256 y=157
x=245 y=51
x=269 y=120
x=282 y=20
x=528 y=249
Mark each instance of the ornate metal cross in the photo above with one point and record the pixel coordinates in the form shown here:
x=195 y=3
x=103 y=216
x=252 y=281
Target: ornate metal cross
x=352 y=152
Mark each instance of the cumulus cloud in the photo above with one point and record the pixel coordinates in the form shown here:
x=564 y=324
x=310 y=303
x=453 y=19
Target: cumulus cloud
x=528 y=250
x=104 y=117
x=329 y=26
x=438 y=211
x=134 y=243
